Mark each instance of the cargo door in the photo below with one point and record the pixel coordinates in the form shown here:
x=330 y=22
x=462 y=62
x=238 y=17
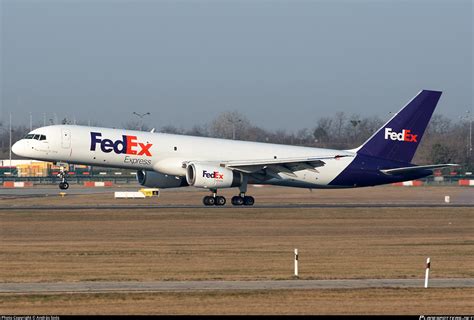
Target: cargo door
x=66 y=138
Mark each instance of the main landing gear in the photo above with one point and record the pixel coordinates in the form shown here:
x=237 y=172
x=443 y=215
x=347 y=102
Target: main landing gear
x=63 y=185
x=214 y=200
x=240 y=200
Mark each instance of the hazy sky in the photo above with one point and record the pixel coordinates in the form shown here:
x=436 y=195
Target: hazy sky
x=283 y=64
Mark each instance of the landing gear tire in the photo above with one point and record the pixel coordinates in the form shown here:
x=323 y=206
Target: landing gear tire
x=209 y=201
x=237 y=201
x=245 y=201
x=220 y=201
x=63 y=185
x=249 y=201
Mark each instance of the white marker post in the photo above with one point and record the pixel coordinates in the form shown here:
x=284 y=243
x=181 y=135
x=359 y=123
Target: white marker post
x=296 y=263
x=427 y=274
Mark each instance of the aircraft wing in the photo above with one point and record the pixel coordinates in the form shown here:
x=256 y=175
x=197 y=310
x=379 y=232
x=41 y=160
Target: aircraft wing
x=285 y=165
x=416 y=168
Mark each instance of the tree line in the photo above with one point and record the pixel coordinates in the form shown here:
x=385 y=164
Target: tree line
x=445 y=140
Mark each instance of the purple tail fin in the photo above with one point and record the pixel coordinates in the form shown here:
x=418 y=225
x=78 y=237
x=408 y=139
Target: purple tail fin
x=400 y=136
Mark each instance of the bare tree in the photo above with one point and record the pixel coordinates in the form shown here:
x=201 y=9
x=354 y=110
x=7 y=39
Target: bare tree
x=197 y=130
x=439 y=124
x=340 y=120
x=443 y=141
x=135 y=125
x=171 y=129
x=322 y=132
x=228 y=125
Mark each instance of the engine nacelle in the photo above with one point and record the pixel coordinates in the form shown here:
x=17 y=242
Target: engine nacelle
x=153 y=179
x=210 y=177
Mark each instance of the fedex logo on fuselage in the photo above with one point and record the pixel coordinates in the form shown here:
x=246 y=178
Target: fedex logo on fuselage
x=128 y=145
x=405 y=135
x=212 y=175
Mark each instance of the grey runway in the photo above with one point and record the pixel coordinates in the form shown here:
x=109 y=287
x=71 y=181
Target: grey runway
x=54 y=191
x=185 y=286
x=42 y=192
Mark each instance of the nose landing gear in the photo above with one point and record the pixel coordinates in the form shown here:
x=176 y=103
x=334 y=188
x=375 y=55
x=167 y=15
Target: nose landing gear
x=63 y=185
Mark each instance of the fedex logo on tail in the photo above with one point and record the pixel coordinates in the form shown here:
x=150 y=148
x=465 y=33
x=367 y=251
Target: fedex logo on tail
x=128 y=145
x=405 y=135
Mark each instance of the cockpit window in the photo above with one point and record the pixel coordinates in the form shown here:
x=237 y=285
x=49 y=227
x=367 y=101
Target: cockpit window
x=40 y=137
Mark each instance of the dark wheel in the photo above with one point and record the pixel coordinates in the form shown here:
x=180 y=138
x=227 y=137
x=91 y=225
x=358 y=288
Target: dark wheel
x=220 y=201
x=205 y=200
x=211 y=201
x=249 y=201
x=237 y=201
x=61 y=185
x=65 y=185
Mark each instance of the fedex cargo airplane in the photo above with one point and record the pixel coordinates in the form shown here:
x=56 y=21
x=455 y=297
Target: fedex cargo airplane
x=171 y=161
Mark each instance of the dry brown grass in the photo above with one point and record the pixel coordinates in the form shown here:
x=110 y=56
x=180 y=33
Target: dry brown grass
x=364 y=301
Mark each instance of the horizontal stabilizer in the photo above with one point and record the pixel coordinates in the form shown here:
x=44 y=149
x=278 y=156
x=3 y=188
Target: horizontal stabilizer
x=417 y=168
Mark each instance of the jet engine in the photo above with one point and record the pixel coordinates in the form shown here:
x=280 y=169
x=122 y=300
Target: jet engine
x=153 y=179
x=210 y=176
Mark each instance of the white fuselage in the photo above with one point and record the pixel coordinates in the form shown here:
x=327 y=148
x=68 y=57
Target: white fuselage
x=166 y=153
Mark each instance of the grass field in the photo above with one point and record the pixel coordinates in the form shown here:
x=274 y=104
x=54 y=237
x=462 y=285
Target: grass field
x=362 y=301
x=242 y=244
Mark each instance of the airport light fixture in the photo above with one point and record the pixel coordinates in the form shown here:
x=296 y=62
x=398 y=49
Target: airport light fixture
x=10 y=142
x=468 y=117
x=141 y=116
x=233 y=122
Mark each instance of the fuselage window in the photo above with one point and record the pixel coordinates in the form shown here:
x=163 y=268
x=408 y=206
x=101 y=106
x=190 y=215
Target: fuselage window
x=29 y=136
x=42 y=137
x=36 y=137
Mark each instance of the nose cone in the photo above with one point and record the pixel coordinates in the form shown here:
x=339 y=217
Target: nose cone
x=18 y=148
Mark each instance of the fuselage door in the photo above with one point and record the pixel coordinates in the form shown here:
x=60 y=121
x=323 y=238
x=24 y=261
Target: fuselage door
x=66 y=138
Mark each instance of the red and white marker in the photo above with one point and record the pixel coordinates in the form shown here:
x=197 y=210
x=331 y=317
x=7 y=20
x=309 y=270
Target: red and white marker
x=427 y=274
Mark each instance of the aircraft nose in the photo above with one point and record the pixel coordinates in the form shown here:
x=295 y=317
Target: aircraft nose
x=17 y=148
